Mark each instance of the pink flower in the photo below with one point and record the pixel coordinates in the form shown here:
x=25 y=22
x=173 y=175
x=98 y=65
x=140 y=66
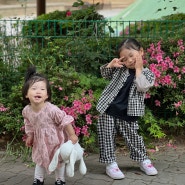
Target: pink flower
x=164 y=66
x=68 y=13
x=157 y=103
x=66 y=98
x=178 y=104
x=147 y=95
x=90 y=93
x=176 y=69
x=156 y=84
x=3 y=109
x=87 y=106
x=84 y=99
x=179 y=77
x=181 y=48
x=84 y=130
x=166 y=80
x=171 y=64
x=183 y=70
x=145 y=61
x=159 y=58
x=176 y=54
x=77 y=130
x=180 y=42
x=174 y=85
x=88 y=119
x=77 y=103
x=153 y=68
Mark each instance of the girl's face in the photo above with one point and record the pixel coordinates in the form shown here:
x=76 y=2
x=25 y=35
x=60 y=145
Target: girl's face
x=37 y=93
x=129 y=57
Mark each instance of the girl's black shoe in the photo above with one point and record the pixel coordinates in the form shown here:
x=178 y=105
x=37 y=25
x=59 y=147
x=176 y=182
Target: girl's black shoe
x=59 y=182
x=37 y=182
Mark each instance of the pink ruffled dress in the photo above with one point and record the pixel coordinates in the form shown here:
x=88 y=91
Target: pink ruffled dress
x=47 y=126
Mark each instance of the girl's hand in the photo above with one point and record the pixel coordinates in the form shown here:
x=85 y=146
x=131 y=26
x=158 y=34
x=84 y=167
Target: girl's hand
x=139 y=61
x=73 y=138
x=29 y=141
x=116 y=62
x=71 y=133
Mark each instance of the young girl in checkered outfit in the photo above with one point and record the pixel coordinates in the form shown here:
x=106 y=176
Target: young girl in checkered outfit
x=120 y=105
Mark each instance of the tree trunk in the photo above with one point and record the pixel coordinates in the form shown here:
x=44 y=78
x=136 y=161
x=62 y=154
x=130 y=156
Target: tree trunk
x=41 y=7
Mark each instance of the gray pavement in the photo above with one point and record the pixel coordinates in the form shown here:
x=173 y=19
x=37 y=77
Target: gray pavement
x=169 y=161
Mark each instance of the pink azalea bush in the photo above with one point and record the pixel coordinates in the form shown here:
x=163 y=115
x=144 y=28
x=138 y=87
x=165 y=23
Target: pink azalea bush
x=77 y=94
x=165 y=100
x=82 y=110
x=168 y=93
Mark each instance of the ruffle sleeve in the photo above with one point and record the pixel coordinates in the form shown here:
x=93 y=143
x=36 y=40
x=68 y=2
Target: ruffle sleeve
x=28 y=126
x=60 y=117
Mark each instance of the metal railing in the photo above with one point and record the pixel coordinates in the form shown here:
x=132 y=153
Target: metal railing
x=31 y=40
x=68 y=28
x=18 y=34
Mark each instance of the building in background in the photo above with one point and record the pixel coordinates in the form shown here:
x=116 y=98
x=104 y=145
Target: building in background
x=28 y=7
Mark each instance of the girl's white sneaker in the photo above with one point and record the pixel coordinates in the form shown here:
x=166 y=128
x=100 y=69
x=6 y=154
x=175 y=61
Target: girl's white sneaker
x=148 y=167
x=114 y=172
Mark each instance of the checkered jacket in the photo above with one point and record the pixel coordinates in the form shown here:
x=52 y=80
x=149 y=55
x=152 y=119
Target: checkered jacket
x=118 y=77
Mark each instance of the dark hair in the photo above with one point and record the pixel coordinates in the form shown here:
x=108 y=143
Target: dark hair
x=31 y=77
x=129 y=43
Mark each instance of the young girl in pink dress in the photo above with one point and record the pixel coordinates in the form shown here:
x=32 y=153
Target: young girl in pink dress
x=45 y=125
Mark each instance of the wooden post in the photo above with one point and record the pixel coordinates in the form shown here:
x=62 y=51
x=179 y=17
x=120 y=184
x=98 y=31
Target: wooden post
x=41 y=7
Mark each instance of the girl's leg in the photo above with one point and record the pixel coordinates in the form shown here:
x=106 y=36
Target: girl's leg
x=39 y=173
x=106 y=137
x=135 y=143
x=106 y=134
x=136 y=146
x=60 y=173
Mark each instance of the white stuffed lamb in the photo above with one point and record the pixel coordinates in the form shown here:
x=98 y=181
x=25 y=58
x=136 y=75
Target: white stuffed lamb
x=70 y=153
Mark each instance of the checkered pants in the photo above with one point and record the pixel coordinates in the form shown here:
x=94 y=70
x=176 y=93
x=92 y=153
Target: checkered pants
x=108 y=127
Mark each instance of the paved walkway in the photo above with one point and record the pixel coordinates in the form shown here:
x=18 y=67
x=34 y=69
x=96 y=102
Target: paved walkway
x=169 y=161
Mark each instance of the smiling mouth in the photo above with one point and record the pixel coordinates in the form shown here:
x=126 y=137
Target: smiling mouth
x=37 y=97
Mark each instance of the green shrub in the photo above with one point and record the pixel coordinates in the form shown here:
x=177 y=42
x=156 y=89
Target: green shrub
x=60 y=49
x=59 y=23
x=68 y=87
